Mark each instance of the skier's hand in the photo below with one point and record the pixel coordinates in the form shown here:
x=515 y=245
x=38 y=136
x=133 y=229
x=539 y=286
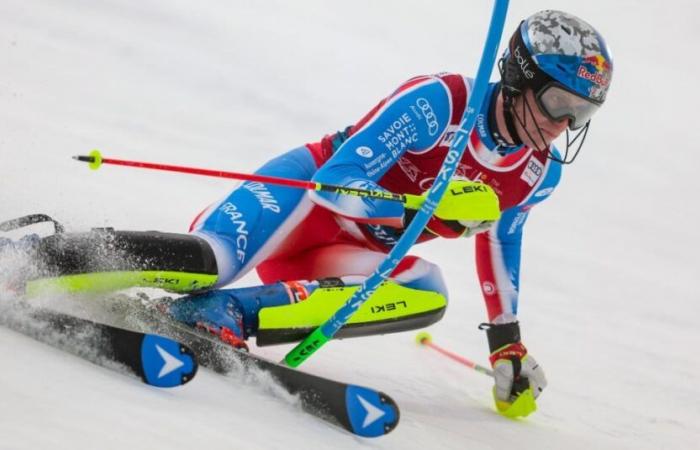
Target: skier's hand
x=518 y=379
x=467 y=208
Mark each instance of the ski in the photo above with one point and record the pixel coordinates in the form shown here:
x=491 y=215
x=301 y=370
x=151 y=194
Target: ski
x=360 y=410
x=156 y=360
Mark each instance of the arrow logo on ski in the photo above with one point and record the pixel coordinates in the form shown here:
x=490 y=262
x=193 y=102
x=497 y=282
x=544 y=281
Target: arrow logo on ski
x=171 y=363
x=373 y=413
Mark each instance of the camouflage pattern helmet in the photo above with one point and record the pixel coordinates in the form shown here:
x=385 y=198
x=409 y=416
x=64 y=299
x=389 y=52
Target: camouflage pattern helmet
x=554 y=48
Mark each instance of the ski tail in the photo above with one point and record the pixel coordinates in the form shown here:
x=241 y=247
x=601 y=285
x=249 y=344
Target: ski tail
x=156 y=360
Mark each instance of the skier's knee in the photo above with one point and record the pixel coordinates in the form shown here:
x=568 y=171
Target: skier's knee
x=417 y=273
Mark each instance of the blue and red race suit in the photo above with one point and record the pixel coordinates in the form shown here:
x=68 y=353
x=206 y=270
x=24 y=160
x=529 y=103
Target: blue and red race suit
x=399 y=146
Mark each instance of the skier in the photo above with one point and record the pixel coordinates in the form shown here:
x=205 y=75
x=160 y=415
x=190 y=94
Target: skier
x=555 y=74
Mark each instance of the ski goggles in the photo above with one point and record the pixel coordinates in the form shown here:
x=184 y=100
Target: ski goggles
x=559 y=103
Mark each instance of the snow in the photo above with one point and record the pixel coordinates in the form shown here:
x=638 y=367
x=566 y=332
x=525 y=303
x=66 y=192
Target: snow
x=609 y=277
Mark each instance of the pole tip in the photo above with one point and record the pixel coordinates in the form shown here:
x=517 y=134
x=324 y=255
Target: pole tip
x=94 y=159
x=423 y=338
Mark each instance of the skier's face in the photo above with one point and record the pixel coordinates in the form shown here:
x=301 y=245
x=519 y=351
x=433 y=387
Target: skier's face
x=535 y=128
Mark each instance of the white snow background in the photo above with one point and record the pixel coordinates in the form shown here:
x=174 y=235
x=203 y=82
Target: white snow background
x=609 y=291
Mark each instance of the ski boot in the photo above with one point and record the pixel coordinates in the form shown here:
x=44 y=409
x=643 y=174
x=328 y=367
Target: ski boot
x=24 y=245
x=15 y=257
x=216 y=312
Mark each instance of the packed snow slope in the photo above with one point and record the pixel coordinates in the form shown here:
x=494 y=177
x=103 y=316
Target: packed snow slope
x=609 y=302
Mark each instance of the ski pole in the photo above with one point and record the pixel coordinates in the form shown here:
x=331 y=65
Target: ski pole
x=95 y=160
x=324 y=333
x=425 y=339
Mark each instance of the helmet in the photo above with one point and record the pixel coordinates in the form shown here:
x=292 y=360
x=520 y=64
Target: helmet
x=565 y=62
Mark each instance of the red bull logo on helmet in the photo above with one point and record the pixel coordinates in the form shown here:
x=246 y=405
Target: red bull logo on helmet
x=599 y=62
x=600 y=74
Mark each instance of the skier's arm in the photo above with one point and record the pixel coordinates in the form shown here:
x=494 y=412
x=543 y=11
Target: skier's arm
x=413 y=118
x=498 y=252
x=518 y=378
x=498 y=264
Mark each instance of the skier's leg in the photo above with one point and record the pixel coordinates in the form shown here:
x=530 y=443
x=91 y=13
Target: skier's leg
x=253 y=223
x=250 y=224
x=226 y=242
x=104 y=259
x=414 y=297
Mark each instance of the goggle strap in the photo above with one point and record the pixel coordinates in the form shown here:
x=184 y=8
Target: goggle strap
x=526 y=69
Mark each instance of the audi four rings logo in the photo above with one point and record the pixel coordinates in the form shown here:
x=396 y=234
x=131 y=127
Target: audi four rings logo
x=429 y=115
x=523 y=63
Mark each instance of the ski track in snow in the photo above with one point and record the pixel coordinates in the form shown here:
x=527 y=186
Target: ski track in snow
x=609 y=276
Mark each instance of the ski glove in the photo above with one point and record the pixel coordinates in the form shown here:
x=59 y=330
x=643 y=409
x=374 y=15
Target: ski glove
x=518 y=379
x=467 y=208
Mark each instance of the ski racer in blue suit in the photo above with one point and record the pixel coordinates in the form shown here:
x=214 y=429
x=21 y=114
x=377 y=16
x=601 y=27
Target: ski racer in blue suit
x=555 y=74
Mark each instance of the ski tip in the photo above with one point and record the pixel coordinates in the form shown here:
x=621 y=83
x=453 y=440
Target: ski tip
x=370 y=413
x=166 y=363
x=423 y=338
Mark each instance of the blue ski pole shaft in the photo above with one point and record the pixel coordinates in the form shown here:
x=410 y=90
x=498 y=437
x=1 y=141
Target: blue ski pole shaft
x=325 y=332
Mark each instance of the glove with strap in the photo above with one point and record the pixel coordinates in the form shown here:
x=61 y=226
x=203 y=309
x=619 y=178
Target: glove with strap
x=518 y=379
x=467 y=208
